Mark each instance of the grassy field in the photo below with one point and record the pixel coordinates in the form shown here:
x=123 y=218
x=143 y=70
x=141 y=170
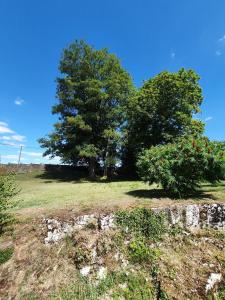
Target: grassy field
x=39 y=193
x=31 y=270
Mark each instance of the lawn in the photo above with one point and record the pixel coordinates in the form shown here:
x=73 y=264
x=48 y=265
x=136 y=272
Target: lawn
x=40 y=194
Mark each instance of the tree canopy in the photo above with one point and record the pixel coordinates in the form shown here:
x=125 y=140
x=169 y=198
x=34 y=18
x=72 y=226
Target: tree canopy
x=162 y=110
x=91 y=91
x=103 y=117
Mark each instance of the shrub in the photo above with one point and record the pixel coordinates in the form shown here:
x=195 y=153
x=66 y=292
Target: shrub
x=180 y=167
x=143 y=222
x=8 y=189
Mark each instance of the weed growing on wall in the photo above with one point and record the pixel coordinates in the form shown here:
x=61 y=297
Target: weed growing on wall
x=142 y=221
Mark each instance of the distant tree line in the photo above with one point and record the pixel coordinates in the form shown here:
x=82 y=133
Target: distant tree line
x=104 y=120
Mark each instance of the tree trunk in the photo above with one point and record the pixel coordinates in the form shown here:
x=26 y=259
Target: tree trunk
x=105 y=166
x=91 y=168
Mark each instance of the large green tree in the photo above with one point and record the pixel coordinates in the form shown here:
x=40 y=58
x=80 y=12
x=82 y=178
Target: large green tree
x=91 y=91
x=162 y=110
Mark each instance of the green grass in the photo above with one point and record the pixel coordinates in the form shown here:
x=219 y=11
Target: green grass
x=111 y=285
x=5 y=255
x=39 y=192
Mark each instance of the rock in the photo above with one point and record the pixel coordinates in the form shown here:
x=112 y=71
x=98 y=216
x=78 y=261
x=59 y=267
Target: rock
x=56 y=230
x=175 y=216
x=123 y=286
x=106 y=222
x=102 y=273
x=213 y=279
x=85 y=220
x=192 y=216
x=119 y=257
x=94 y=255
x=85 y=271
x=215 y=215
x=189 y=216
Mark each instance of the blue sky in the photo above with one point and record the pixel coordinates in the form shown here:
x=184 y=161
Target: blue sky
x=148 y=36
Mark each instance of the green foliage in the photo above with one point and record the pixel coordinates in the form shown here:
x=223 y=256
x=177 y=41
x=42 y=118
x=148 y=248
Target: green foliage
x=161 y=110
x=7 y=191
x=180 y=167
x=91 y=90
x=143 y=222
x=140 y=252
x=136 y=285
x=220 y=295
x=82 y=255
x=120 y=286
x=5 y=255
x=176 y=230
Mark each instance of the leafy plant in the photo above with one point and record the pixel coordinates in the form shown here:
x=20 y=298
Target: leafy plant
x=180 y=167
x=221 y=292
x=142 y=221
x=5 y=255
x=8 y=189
x=139 y=251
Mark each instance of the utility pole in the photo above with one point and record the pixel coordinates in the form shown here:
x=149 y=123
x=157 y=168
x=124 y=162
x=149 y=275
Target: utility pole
x=21 y=148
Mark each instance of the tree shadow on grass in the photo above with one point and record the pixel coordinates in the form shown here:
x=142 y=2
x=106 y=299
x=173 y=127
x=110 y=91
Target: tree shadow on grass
x=76 y=176
x=50 y=177
x=161 y=194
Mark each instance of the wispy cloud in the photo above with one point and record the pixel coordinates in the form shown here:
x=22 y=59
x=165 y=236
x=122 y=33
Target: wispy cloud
x=208 y=119
x=172 y=54
x=34 y=154
x=4 y=128
x=218 y=53
x=18 y=138
x=3 y=124
x=220 y=46
x=222 y=39
x=12 y=158
x=5 y=138
x=19 y=101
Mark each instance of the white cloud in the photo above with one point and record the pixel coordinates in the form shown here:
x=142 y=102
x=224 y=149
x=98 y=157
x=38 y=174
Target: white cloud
x=5 y=138
x=208 y=119
x=19 y=101
x=14 y=145
x=222 y=39
x=10 y=156
x=4 y=128
x=10 y=136
x=34 y=154
x=3 y=124
x=172 y=55
x=218 y=53
x=18 y=138
x=54 y=160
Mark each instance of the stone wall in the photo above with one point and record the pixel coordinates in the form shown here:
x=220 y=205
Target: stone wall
x=192 y=216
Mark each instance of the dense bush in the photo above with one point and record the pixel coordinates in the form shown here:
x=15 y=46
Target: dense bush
x=7 y=191
x=180 y=167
